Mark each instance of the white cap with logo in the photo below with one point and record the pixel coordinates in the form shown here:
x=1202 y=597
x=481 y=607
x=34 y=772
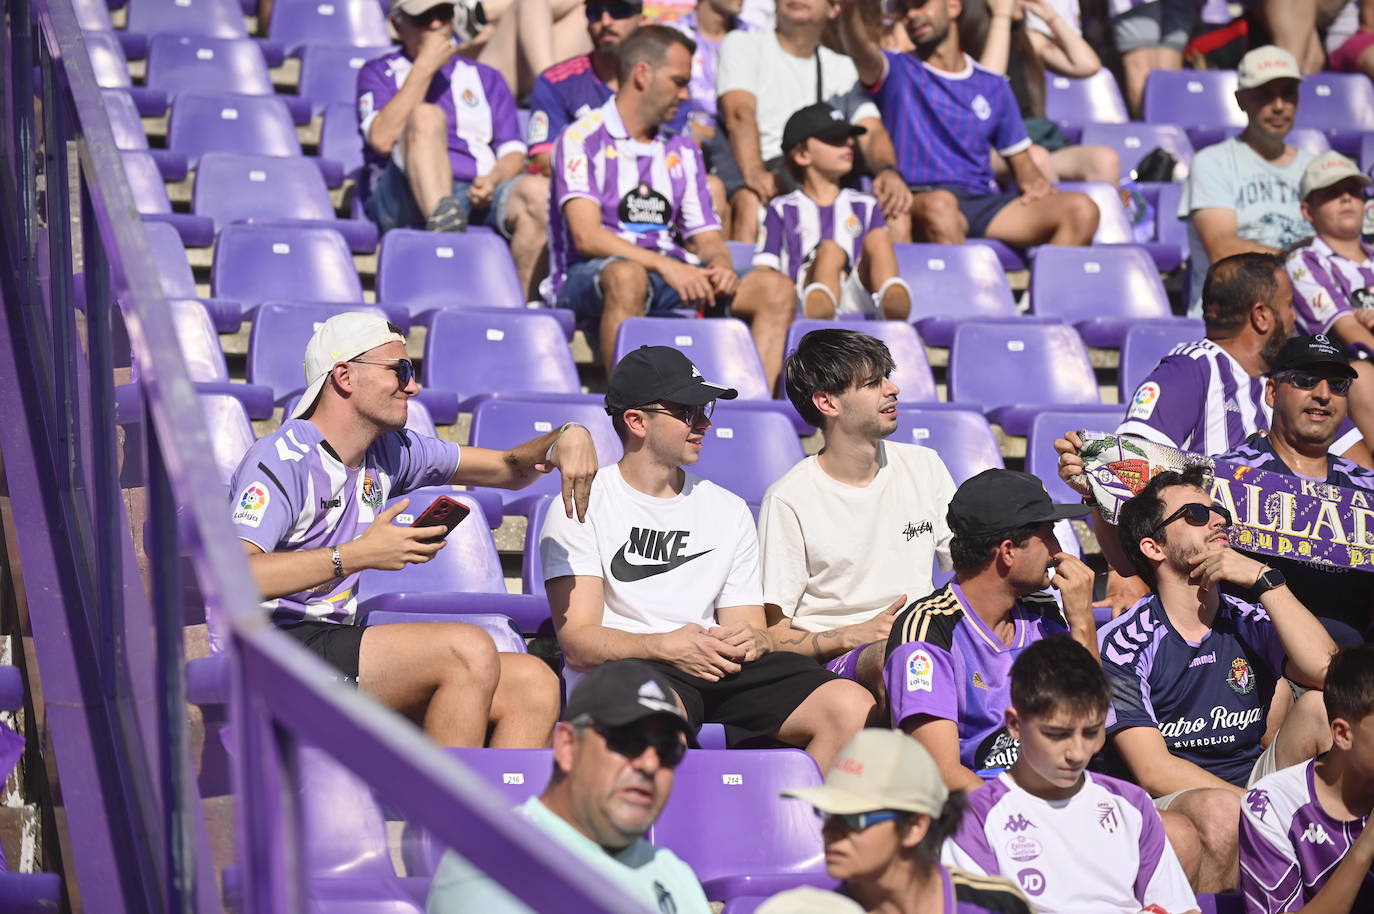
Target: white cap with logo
x=418 y=7
x=1265 y=64
x=879 y=769
x=342 y=337
x=1327 y=169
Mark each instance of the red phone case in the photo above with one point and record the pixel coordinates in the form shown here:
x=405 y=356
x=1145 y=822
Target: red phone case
x=443 y=512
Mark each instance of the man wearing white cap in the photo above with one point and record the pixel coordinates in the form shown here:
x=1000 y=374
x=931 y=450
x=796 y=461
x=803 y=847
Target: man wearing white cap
x=1242 y=194
x=886 y=813
x=303 y=493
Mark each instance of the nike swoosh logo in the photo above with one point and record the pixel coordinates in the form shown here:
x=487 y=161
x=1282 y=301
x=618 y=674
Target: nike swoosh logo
x=622 y=570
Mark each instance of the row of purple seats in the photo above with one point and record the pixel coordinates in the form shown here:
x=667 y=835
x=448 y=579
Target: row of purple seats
x=111 y=68
x=294 y=24
x=127 y=126
x=199 y=64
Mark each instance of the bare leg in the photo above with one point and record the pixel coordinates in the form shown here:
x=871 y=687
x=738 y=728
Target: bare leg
x=500 y=50
x=879 y=264
x=768 y=301
x=935 y=218
x=1305 y=733
x=717 y=188
x=870 y=671
x=569 y=29
x=1184 y=840
x=526 y=703
x=1068 y=219
x=826 y=270
x=441 y=673
x=1086 y=163
x=1215 y=814
x=827 y=720
x=426 y=156
x=1293 y=25
x=1137 y=65
x=624 y=287
x=745 y=209
x=527 y=217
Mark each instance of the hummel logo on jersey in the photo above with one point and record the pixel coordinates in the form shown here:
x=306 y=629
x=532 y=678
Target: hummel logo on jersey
x=910 y=531
x=662 y=547
x=1315 y=834
x=1018 y=823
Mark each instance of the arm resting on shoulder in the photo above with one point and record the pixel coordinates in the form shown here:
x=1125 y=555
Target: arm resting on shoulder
x=940 y=737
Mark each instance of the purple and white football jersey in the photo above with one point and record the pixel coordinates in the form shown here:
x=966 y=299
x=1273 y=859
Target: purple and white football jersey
x=653 y=194
x=1208 y=699
x=292 y=493
x=943 y=124
x=796 y=225
x=567 y=91
x=1327 y=285
x=1289 y=845
x=1103 y=850
x=944 y=661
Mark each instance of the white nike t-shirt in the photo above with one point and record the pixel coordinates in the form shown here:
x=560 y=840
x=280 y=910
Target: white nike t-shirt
x=663 y=562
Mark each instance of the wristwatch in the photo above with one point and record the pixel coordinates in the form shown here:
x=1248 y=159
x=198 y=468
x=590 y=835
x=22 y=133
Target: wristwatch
x=1267 y=581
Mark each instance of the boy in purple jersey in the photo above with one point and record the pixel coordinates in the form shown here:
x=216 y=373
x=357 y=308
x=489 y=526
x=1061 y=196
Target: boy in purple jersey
x=947 y=660
x=441 y=143
x=945 y=112
x=304 y=493
x=1076 y=841
x=1193 y=670
x=1303 y=840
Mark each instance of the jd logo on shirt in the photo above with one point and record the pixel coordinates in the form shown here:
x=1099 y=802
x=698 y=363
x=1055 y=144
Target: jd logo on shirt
x=662 y=547
x=645 y=210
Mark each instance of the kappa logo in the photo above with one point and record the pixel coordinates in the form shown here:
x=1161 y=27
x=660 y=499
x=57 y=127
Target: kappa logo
x=1018 y=823
x=663 y=549
x=1315 y=834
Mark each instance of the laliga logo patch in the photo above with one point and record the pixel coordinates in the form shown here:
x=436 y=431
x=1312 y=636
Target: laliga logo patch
x=252 y=504
x=981 y=109
x=372 y=493
x=920 y=672
x=1144 y=402
x=1241 y=679
x=539 y=127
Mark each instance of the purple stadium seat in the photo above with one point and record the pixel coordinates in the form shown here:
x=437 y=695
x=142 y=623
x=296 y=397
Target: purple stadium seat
x=1202 y=102
x=1366 y=156
x=276 y=344
x=1148 y=342
x=747 y=450
x=962 y=438
x=255 y=125
x=1041 y=459
x=1038 y=366
x=1102 y=291
x=498 y=351
x=231 y=433
x=329 y=73
x=1339 y=104
x=256 y=263
x=111 y=68
x=952 y=283
x=211 y=18
x=358 y=23
x=721 y=348
x=151 y=202
x=912 y=374
x=1169 y=229
x=1008 y=257
x=1133 y=142
x=236 y=188
x=1113 y=225
x=1071 y=103
x=178 y=64
x=339 y=138
x=464 y=578
x=423 y=271
x=169 y=256
x=129 y=135
x=727 y=820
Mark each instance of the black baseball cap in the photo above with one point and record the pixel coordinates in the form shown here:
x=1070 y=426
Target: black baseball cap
x=818 y=120
x=1307 y=351
x=996 y=501
x=650 y=374
x=622 y=692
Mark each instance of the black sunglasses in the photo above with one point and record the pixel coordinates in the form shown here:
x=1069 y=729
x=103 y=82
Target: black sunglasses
x=617 y=10
x=1306 y=380
x=441 y=13
x=631 y=741
x=404 y=368
x=691 y=416
x=1196 y=514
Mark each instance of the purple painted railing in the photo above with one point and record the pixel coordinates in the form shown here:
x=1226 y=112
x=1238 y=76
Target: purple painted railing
x=106 y=502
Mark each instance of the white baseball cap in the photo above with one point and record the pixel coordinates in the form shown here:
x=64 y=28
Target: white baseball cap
x=1266 y=64
x=879 y=769
x=1327 y=169
x=417 y=7
x=342 y=337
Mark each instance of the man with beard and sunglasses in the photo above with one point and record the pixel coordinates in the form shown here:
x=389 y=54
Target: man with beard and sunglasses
x=1193 y=669
x=614 y=755
x=308 y=506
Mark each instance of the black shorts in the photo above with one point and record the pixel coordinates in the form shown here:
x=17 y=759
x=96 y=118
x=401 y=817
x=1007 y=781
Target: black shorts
x=978 y=208
x=337 y=643
x=753 y=703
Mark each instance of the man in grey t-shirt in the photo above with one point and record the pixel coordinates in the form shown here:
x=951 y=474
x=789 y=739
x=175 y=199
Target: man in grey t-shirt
x=1242 y=193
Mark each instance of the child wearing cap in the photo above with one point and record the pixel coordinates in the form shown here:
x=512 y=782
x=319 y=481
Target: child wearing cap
x=1303 y=841
x=832 y=242
x=885 y=813
x=1073 y=839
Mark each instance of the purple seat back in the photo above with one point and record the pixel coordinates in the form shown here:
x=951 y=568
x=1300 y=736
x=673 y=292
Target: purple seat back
x=721 y=348
x=199 y=341
x=962 y=438
x=955 y=280
x=343 y=830
x=107 y=59
x=1336 y=101
x=424 y=270
x=340 y=140
x=1192 y=98
x=477 y=352
x=1037 y=364
x=1133 y=142
x=329 y=73
x=256 y=125
x=1094 y=100
x=179 y=64
x=276 y=344
x=150 y=193
x=92 y=15
x=1113 y=225
x=169 y=256
x=1147 y=343
x=726 y=816
x=124 y=120
x=503 y=422
x=468 y=563
x=1076 y=283
x=255 y=263
x=747 y=450
x=1169 y=228
x=358 y=23
x=912 y=373
x=231 y=433
x=1310 y=140
x=232 y=187
x=1042 y=460
x=213 y=18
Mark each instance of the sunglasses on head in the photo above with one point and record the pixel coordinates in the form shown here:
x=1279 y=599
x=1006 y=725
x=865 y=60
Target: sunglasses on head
x=691 y=416
x=1196 y=514
x=617 y=10
x=631 y=741
x=1306 y=380
x=404 y=368
x=441 y=13
x=858 y=821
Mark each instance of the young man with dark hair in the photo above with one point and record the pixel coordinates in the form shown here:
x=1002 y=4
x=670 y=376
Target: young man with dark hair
x=1193 y=669
x=947 y=661
x=846 y=535
x=1304 y=844
x=1074 y=840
